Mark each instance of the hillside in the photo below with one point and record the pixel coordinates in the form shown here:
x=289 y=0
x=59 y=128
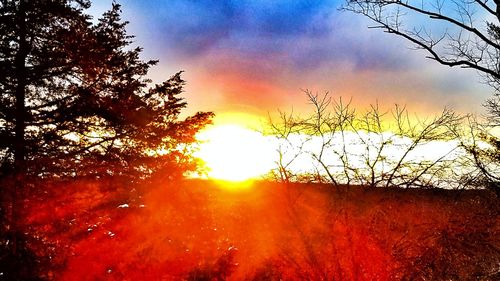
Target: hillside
x=204 y=230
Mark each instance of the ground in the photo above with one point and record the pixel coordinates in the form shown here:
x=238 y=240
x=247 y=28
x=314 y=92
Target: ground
x=208 y=230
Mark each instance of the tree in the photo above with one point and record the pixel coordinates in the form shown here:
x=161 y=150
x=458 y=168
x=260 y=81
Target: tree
x=459 y=33
x=75 y=90
x=464 y=34
x=338 y=145
x=75 y=101
x=483 y=148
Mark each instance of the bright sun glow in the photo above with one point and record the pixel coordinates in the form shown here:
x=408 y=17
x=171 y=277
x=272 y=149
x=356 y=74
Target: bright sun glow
x=234 y=153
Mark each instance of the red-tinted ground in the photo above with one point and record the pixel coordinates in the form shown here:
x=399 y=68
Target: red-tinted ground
x=200 y=230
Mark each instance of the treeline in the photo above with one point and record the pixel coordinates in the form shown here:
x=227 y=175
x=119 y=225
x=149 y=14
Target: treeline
x=337 y=144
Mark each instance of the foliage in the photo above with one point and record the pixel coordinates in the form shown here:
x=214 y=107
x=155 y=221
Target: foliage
x=74 y=97
x=75 y=102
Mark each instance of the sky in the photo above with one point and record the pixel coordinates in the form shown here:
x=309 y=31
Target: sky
x=247 y=58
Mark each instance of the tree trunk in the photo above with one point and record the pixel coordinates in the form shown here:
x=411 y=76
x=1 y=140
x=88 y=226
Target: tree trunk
x=20 y=126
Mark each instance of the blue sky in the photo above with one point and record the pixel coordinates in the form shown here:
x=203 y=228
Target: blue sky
x=256 y=56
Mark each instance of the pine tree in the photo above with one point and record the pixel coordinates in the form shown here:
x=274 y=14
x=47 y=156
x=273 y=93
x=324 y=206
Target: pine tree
x=73 y=95
x=75 y=101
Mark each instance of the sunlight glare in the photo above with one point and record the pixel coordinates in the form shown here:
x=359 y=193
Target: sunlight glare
x=234 y=153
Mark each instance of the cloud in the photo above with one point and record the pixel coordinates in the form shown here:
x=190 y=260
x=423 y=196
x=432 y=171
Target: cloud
x=193 y=27
x=289 y=18
x=263 y=52
x=302 y=35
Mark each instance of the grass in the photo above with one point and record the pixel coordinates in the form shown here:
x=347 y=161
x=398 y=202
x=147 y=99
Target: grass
x=207 y=230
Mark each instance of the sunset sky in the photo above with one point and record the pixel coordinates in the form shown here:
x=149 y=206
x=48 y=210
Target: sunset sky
x=254 y=56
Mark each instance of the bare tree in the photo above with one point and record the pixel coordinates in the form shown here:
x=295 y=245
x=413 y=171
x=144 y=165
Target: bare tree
x=456 y=33
x=459 y=33
x=483 y=151
x=335 y=144
x=290 y=149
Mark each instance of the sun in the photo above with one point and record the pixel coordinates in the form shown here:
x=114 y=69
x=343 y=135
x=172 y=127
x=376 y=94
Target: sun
x=235 y=153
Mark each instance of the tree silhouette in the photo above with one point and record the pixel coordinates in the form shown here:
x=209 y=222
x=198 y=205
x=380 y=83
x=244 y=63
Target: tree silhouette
x=374 y=148
x=470 y=38
x=464 y=34
x=74 y=101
